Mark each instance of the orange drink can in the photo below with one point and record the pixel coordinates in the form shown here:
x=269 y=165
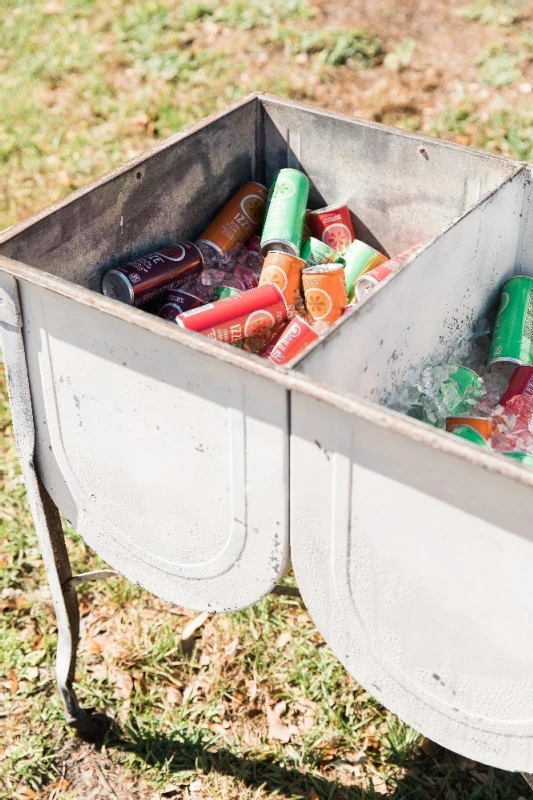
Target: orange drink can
x=285 y=271
x=238 y=220
x=325 y=291
x=482 y=425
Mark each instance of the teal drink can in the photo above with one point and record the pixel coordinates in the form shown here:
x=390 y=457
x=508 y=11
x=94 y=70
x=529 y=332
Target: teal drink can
x=523 y=458
x=315 y=253
x=471 y=435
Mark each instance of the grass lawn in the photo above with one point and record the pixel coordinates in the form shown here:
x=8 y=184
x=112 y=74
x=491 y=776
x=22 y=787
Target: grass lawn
x=252 y=704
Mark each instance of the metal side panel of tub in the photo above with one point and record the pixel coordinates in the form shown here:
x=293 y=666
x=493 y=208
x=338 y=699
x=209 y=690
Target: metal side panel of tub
x=170 y=463
x=416 y=565
x=437 y=297
x=402 y=188
x=166 y=194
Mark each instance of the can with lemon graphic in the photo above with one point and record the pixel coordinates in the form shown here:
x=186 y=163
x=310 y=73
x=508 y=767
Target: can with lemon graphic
x=512 y=339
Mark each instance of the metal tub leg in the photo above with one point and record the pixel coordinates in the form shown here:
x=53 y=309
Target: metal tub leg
x=45 y=514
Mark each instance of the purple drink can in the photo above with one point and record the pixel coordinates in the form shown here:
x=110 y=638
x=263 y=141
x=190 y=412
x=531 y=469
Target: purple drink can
x=141 y=280
x=177 y=302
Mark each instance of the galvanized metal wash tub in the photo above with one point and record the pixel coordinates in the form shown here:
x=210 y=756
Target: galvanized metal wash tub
x=177 y=458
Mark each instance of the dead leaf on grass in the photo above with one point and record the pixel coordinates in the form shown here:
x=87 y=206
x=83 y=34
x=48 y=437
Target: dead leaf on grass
x=277 y=728
x=173 y=696
x=193 y=625
x=231 y=649
x=283 y=640
x=26 y=793
x=13 y=682
x=94 y=646
x=122 y=683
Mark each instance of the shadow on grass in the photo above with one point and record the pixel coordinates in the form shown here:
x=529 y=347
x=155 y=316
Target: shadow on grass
x=425 y=778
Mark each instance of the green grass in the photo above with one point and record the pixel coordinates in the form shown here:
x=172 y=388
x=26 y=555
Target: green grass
x=504 y=12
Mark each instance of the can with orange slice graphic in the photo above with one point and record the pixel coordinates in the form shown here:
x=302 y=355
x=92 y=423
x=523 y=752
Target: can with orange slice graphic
x=290 y=341
x=285 y=214
x=238 y=220
x=325 y=292
x=234 y=318
x=284 y=271
x=333 y=226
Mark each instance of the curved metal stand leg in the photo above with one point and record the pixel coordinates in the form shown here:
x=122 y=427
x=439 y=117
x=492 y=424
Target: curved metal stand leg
x=45 y=514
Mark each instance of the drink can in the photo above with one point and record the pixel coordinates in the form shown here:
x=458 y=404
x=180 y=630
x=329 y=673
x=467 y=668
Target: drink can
x=290 y=341
x=235 y=318
x=333 y=226
x=141 y=280
x=178 y=301
x=238 y=220
x=325 y=292
x=254 y=245
x=467 y=383
x=512 y=339
x=284 y=271
x=523 y=458
x=471 y=435
x=315 y=252
x=369 y=280
x=285 y=214
x=225 y=291
x=366 y=284
x=483 y=425
x=306 y=233
x=520 y=382
x=359 y=258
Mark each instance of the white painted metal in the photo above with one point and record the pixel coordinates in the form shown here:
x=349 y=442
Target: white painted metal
x=158 y=455
x=426 y=598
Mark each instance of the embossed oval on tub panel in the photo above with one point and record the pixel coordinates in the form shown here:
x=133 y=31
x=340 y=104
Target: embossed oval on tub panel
x=160 y=455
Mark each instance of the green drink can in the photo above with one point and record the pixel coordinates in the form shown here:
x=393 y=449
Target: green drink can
x=512 y=339
x=225 y=291
x=359 y=258
x=285 y=213
x=315 y=253
x=465 y=383
x=523 y=458
x=471 y=435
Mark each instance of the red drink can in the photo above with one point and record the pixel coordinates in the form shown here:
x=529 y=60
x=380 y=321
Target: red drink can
x=333 y=226
x=296 y=335
x=520 y=382
x=235 y=318
x=177 y=302
x=139 y=281
x=367 y=282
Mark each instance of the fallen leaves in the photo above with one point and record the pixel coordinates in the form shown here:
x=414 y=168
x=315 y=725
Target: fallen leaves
x=277 y=728
x=193 y=625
